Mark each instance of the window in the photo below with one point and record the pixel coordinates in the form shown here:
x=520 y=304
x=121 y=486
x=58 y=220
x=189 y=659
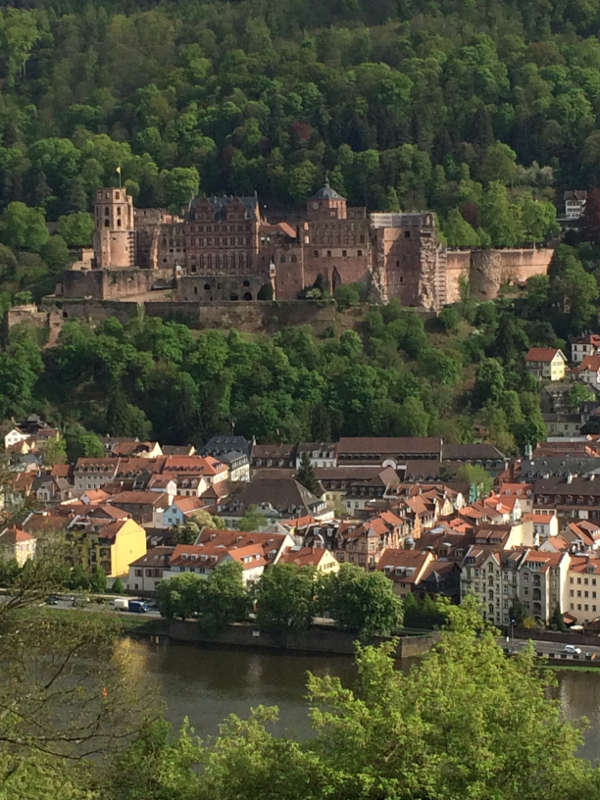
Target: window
x=344 y=253
x=407 y=234
x=329 y=253
x=359 y=252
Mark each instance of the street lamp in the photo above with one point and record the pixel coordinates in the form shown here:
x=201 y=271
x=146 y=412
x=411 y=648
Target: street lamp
x=512 y=631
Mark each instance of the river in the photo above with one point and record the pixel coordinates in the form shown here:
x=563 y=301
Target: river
x=208 y=684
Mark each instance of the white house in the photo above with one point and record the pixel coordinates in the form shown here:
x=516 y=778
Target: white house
x=588 y=345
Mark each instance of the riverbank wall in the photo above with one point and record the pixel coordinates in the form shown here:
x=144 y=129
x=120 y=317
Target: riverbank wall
x=322 y=640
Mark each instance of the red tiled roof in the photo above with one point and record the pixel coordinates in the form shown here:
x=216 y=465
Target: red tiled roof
x=303 y=556
x=14 y=535
x=542 y=354
x=591 y=363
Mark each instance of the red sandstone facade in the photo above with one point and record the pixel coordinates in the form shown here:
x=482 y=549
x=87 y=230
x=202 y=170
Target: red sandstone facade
x=223 y=249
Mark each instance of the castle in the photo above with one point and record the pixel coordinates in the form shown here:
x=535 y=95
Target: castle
x=224 y=249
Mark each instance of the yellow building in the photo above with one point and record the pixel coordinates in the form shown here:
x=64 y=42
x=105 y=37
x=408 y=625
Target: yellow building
x=584 y=588
x=546 y=363
x=114 y=546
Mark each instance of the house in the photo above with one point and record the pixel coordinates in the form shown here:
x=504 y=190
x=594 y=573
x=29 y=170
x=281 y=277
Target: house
x=93 y=473
x=546 y=363
x=275 y=498
x=146 y=572
x=115 y=546
x=584 y=588
x=238 y=463
x=273 y=455
x=563 y=424
x=320 y=558
x=17 y=545
x=588 y=371
x=500 y=578
x=485 y=455
x=387 y=451
x=180 y=509
x=253 y=551
x=404 y=567
x=588 y=345
x=144 y=507
x=320 y=454
x=544 y=526
x=575 y=201
x=207 y=467
x=573 y=499
x=218 y=445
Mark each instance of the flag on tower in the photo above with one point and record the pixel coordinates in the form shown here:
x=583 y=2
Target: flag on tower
x=119 y=173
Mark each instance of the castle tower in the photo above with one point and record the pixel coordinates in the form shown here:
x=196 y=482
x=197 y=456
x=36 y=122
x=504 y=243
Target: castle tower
x=114 y=235
x=327 y=204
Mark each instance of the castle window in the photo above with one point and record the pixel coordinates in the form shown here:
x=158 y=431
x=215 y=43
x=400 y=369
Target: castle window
x=106 y=223
x=344 y=253
x=106 y=212
x=315 y=253
x=117 y=195
x=407 y=234
x=359 y=252
x=282 y=259
x=234 y=297
x=207 y=286
x=195 y=290
x=247 y=296
x=293 y=259
x=193 y=268
x=397 y=262
x=246 y=283
x=119 y=223
x=329 y=253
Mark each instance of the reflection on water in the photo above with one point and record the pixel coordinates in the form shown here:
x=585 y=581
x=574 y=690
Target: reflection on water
x=208 y=684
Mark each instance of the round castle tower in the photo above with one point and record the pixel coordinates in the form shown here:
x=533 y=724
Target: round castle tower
x=114 y=235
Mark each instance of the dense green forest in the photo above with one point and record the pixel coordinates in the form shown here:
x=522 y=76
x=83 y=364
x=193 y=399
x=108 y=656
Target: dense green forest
x=481 y=111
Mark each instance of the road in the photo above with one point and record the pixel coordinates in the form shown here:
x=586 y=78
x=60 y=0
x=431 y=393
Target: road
x=556 y=649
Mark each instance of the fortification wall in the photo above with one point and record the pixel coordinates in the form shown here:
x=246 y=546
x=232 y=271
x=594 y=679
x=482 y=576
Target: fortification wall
x=487 y=270
x=111 y=284
x=459 y=263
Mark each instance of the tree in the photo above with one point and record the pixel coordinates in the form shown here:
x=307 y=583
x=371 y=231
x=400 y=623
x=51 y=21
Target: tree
x=265 y=292
x=117 y=586
x=306 y=474
x=179 y=596
x=98 y=580
x=458 y=232
x=47 y=725
x=253 y=520
x=478 y=478
x=23 y=227
x=54 y=452
x=347 y=295
x=55 y=253
x=578 y=394
x=285 y=599
x=557 y=622
x=449 y=319
x=77 y=229
x=82 y=444
x=489 y=382
x=361 y=601
x=223 y=598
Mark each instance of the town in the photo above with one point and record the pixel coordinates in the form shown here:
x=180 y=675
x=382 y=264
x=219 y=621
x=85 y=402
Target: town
x=522 y=535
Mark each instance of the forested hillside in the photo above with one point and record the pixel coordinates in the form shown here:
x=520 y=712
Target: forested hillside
x=443 y=104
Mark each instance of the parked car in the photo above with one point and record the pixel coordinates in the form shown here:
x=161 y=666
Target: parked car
x=52 y=600
x=570 y=648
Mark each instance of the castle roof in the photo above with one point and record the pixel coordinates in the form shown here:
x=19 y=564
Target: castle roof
x=327 y=193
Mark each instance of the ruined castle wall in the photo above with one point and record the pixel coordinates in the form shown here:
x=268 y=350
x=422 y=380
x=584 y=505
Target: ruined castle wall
x=492 y=268
x=459 y=264
x=112 y=284
x=209 y=288
x=487 y=270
